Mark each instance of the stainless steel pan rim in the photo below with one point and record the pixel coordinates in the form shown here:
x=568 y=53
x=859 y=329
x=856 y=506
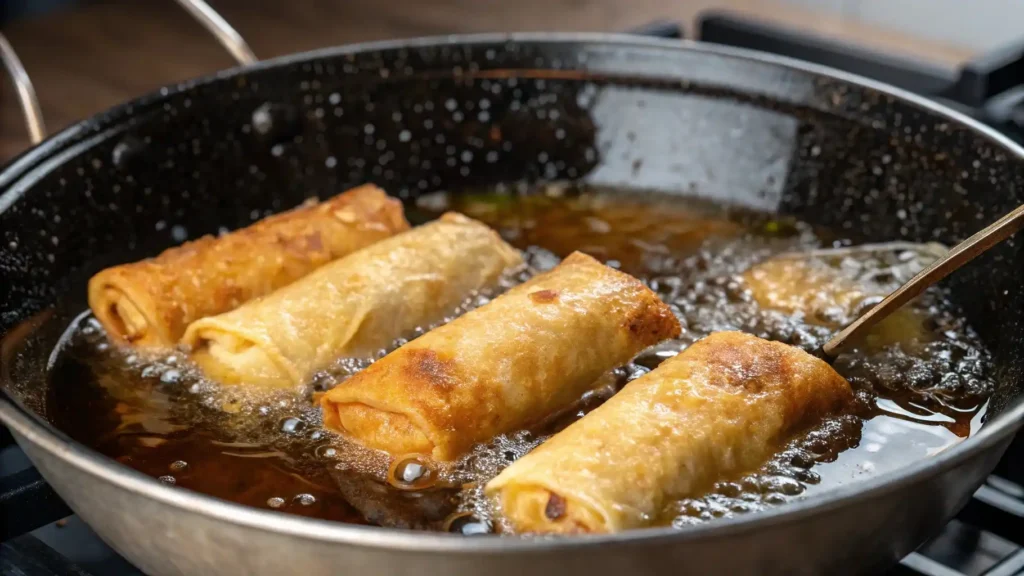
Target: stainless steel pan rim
x=27 y=425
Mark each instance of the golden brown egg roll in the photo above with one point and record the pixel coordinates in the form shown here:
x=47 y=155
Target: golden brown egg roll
x=721 y=407
x=505 y=366
x=151 y=302
x=352 y=307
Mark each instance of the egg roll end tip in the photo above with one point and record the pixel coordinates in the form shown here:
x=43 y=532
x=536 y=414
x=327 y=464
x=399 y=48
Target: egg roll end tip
x=393 y=433
x=653 y=321
x=124 y=321
x=201 y=352
x=656 y=323
x=381 y=203
x=533 y=509
x=453 y=216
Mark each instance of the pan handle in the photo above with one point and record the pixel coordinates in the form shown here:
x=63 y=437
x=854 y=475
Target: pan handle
x=228 y=37
x=26 y=92
x=214 y=23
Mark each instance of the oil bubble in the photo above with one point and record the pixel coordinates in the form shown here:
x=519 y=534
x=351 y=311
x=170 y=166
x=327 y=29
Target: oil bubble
x=411 y=473
x=170 y=376
x=292 y=425
x=467 y=524
x=326 y=452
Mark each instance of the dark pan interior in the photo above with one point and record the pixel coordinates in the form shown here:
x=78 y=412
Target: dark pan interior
x=225 y=151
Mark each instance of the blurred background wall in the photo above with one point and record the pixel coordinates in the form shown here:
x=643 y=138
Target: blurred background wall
x=16 y=9
x=975 y=24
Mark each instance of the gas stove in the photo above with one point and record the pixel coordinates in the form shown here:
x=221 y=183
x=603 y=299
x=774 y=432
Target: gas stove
x=39 y=536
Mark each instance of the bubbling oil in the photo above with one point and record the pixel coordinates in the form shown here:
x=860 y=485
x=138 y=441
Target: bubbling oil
x=921 y=382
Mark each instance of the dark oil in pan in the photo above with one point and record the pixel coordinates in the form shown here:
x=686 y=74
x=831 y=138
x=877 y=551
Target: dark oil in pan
x=267 y=449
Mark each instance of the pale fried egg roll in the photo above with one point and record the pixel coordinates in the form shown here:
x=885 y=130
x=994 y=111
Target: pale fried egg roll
x=352 y=307
x=824 y=295
x=505 y=366
x=791 y=284
x=720 y=407
x=151 y=302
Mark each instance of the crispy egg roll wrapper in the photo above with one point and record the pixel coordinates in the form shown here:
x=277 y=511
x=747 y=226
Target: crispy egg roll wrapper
x=793 y=285
x=151 y=302
x=825 y=297
x=352 y=307
x=509 y=364
x=723 y=406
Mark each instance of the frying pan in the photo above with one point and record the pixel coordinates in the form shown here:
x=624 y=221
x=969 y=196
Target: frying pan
x=453 y=113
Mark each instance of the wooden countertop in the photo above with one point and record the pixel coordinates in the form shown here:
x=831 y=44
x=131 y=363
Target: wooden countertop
x=88 y=59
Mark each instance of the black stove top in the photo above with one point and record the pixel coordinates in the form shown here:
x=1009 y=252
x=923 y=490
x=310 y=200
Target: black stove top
x=40 y=537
